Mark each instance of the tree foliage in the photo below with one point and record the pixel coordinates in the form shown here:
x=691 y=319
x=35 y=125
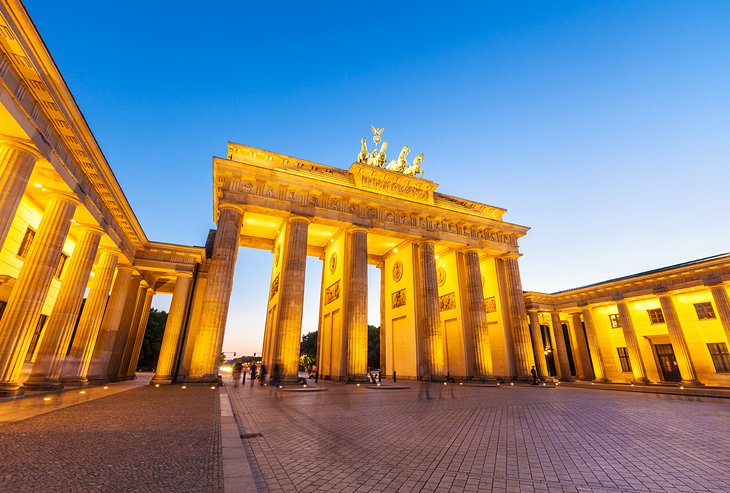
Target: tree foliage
x=152 y=340
x=373 y=347
x=308 y=345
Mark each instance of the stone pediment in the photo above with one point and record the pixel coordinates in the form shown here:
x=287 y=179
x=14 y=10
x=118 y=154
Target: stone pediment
x=393 y=183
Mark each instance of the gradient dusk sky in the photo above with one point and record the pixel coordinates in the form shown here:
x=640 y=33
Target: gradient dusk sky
x=603 y=126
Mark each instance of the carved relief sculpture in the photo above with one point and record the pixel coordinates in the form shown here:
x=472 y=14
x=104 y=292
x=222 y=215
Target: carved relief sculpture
x=447 y=302
x=399 y=298
x=397 y=271
x=332 y=293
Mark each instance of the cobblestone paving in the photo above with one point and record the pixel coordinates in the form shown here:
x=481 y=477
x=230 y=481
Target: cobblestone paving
x=514 y=439
x=142 y=440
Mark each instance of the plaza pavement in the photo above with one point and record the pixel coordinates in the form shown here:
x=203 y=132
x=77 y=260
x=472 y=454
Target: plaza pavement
x=348 y=438
x=482 y=438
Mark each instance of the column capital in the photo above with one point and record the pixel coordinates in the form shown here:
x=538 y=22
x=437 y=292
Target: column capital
x=89 y=227
x=22 y=146
x=293 y=219
x=713 y=282
x=183 y=275
x=64 y=196
x=237 y=207
x=510 y=256
x=357 y=229
x=125 y=268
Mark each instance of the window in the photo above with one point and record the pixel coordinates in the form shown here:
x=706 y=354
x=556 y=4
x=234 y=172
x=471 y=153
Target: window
x=615 y=321
x=704 y=310
x=623 y=357
x=60 y=266
x=656 y=316
x=720 y=355
x=25 y=244
x=36 y=336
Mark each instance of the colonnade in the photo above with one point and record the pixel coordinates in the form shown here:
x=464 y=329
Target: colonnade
x=109 y=331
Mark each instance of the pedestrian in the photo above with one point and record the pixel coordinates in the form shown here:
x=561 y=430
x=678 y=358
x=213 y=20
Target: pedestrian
x=254 y=368
x=236 y=373
x=533 y=372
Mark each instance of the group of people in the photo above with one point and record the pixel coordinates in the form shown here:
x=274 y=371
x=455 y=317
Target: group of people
x=238 y=368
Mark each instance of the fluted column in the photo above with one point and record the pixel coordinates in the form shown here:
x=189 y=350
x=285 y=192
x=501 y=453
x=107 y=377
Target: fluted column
x=125 y=324
x=109 y=329
x=596 y=357
x=580 y=350
x=383 y=338
x=538 y=347
x=173 y=329
x=204 y=363
x=561 y=348
x=434 y=345
x=518 y=317
x=719 y=294
x=46 y=371
x=291 y=299
x=16 y=165
x=76 y=363
x=632 y=343
x=679 y=343
x=478 y=316
x=30 y=289
x=141 y=329
x=133 y=331
x=357 y=304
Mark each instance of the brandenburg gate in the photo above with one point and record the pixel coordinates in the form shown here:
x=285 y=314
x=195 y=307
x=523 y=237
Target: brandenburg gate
x=451 y=299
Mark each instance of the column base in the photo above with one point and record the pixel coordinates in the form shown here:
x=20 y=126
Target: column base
x=641 y=381
x=74 y=382
x=41 y=383
x=97 y=380
x=11 y=390
x=162 y=380
x=567 y=379
x=359 y=378
x=601 y=380
x=202 y=380
x=692 y=383
x=113 y=379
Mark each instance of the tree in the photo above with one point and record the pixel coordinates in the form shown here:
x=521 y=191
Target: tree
x=308 y=345
x=373 y=347
x=152 y=340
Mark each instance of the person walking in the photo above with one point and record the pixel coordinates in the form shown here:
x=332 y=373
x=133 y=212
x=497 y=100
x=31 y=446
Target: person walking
x=254 y=368
x=236 y=373
x=533 y=372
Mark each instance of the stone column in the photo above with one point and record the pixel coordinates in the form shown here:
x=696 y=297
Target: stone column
x=107 y=336
x=478 y=316
x=30 y=289
x=46 y=371
x=596 y=357
x=560 y=347
x=434 y=345
x=17 y=161
x=125 y=324
x=132 y=333
x=538 y=346
x=719 y=294
x=679 y=343
x=173 y=329
x=291 y=299
x=518 y=314
x=204 y=363
x=357 y=306
x=141 y=329
x=383 y=338
x=632 y=343
x=580 y=349
x=76 y=363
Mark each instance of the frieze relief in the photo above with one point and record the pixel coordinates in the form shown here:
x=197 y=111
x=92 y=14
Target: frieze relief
x=398 y=298
x=332 y=293
x=447 y=302
x=274 y=287
x=357 y=208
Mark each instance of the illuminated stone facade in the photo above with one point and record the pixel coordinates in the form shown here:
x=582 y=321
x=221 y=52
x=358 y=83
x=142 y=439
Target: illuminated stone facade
x=669 y=325
x=78 y=273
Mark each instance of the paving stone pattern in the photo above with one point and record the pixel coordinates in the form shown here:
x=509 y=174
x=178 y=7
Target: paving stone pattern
x=143 y=440
x=515 y=439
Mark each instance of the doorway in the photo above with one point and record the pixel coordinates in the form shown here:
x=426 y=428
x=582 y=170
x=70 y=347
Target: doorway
x=667 y=362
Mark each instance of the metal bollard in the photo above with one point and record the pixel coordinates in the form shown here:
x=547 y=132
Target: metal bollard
x=394 y=376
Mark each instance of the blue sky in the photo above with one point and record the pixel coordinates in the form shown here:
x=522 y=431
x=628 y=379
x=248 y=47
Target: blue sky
x=603 y=126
